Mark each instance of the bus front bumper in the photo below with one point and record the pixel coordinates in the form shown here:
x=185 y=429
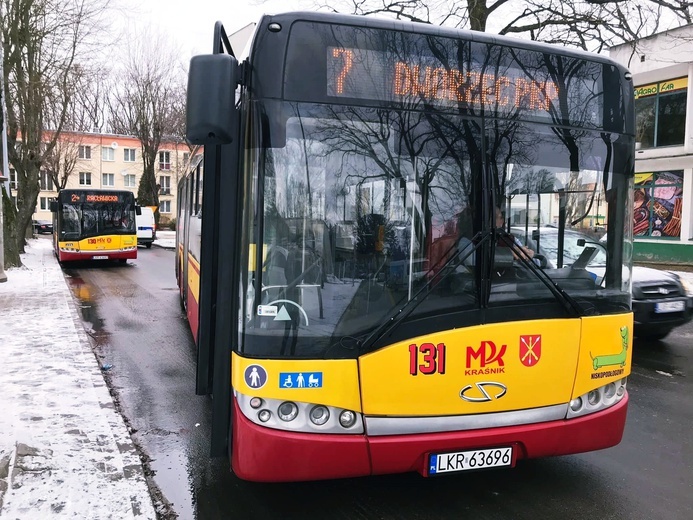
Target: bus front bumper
x=69 y=256
x=268 y=455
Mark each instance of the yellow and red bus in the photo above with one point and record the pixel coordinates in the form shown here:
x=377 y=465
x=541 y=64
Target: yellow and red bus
x=358 y=307
x=94 y=225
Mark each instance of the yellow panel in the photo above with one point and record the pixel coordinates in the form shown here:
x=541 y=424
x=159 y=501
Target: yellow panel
x=606 y=353
x=339 y=380
x=194 y=277
x=251 y=256
x=103 y=243
x=534 y=360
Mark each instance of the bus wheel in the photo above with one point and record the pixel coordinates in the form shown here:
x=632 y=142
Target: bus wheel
x=149 y=245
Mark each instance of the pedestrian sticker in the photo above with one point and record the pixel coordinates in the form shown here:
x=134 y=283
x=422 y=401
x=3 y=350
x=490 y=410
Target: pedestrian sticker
x=283 y=315
x=300 y=379
x=255 y=376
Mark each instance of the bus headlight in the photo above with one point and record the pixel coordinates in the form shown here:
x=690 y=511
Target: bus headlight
x=319 y=415
x=287 y=411
x=597 y=399
x=576 y=404
x=298 y=416
x=347 y=418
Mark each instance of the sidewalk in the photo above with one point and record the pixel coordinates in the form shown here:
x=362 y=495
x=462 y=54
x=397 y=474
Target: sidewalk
x=65 y=451
x=165 y=239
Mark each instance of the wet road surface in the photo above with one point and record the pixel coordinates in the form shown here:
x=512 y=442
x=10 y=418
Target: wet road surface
x=133 y=314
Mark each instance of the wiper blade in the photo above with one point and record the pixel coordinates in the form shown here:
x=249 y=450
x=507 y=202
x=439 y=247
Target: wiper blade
x=445 y=269
x=569 y=303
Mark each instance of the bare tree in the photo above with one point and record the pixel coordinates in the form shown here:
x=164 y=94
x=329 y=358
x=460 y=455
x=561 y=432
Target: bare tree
x=586 y=24
x=43 y=41
x=60 y=163
x=144 y=105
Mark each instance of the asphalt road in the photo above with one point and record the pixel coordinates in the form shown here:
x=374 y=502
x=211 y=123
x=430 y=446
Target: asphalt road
x=133 y=315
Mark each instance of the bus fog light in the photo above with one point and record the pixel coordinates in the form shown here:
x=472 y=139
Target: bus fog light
x=621 y=390
x=576 y=404
x=610 y=390
x=319 y=415
x=347 y=418
x=593 y=397
x=264 y=415
x=255 y=403
x=287 y=411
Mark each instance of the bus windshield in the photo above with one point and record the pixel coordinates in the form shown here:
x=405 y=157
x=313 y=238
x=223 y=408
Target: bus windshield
x=365 y=212
x=84 y=219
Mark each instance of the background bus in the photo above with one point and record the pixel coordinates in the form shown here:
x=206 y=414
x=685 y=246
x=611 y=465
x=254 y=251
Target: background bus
x=357 y=307
x=94 y=225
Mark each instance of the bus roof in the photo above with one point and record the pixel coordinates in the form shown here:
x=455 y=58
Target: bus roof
x=376 y=22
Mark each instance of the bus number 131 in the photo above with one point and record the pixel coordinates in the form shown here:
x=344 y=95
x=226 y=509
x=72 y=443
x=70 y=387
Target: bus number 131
x=433 y=357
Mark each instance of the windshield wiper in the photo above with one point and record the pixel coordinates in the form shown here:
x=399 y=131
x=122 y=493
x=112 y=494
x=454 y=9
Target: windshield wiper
x=396 y=317
x=569 y=303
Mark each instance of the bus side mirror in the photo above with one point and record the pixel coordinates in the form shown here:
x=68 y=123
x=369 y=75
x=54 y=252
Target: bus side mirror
x=211 y=115
x=53 y=206
x=138 y=210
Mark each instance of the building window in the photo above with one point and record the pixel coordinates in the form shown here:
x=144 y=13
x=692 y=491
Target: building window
x=165 y=184
x=164 y=206
x=129 y=154
x=658 y=203
x=129 y=180
x=108 y=179
x=660 y=113
x=44 y=203
x=85 y=178
x=108 y=154
x=13 y=179
x=45 y=181
x=84 y=152
x=164 y=160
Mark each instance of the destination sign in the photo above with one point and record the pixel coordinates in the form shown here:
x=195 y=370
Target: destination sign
x=95 y=198
x=367 y=74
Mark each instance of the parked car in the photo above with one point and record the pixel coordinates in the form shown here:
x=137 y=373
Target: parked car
x=661 y=300
x=43 y=226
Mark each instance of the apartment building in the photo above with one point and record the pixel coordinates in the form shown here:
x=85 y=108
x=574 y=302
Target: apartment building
x=662 y=67
x=108 y=161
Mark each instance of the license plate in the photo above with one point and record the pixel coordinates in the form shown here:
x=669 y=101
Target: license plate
x=469 y=460
x=100 y=257
x=670 y=306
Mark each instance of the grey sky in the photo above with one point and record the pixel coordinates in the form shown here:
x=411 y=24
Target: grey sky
x=190 y=25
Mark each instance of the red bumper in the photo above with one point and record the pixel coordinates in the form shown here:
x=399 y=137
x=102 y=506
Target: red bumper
x=267 y=455
x=67 y=256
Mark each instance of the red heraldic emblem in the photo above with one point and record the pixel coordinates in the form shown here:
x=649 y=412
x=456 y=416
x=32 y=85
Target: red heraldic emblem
x=530 y=350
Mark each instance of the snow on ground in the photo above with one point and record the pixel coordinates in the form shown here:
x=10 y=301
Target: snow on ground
x=65 y=451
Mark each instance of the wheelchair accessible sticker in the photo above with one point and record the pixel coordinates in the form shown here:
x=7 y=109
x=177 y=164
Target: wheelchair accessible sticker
x=300 y=379
x=255 y=376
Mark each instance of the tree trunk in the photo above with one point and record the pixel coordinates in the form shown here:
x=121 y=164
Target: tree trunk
x=12 y=258
x=22 y=224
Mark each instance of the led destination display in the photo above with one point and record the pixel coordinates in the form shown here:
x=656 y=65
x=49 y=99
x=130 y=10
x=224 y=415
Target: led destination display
x=366 y=74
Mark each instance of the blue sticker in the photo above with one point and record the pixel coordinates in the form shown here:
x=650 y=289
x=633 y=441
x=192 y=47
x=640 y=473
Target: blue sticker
x=255 y=376
x=300 y=379
x=432 y=464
